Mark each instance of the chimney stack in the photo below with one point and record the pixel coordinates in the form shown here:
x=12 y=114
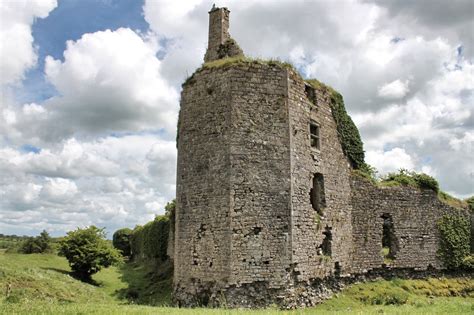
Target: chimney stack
x=220 y=44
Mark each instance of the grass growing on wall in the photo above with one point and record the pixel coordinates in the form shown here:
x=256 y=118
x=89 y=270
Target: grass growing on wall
x=236 y=61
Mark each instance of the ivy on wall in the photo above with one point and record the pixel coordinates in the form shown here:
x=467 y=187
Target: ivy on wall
x=348 y=133
x=455 y=242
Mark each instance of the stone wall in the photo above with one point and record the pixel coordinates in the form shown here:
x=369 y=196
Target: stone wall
x=233 y=182
x=414 y=213
x=220 y=44
x=203 y=234
x=309 y=260
x=259 y=174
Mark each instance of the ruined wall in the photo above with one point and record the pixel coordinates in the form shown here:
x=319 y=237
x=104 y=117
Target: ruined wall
x=233 y=191
x=260 y=174
x=329 y=160
x=203 y=234
x=414 y=213
x=218 y=32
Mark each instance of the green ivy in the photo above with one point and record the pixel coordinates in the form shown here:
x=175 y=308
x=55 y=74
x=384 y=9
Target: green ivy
x=454 y=244
x=347 y=131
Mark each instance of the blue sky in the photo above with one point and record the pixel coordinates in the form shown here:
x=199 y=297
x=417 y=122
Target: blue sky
x=69 y=21
x=87 y=130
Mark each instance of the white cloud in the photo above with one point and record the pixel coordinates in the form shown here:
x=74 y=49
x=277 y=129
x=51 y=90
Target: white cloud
x=17 y=53
x=394 y=90
x=405 y=74
x=390 y=161
x=110 y=81
x=59 y=189
x=97 y=182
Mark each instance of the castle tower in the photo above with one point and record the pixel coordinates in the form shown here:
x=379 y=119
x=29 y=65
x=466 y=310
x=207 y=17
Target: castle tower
x=267 y=206
x=220 y=44
x=262 y=184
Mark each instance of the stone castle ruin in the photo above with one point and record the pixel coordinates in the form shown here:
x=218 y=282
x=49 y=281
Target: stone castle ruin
x=269 y=210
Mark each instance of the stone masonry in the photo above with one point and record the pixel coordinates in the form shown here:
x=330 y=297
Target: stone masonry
x=268 y=210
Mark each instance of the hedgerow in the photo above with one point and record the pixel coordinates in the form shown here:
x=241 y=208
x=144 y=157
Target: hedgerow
x=151 y=240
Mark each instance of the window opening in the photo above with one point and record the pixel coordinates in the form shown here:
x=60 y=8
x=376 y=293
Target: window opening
x=326 y=245
x=389 y=240
x=314 y=135
x=310 y=93
x=318 y=198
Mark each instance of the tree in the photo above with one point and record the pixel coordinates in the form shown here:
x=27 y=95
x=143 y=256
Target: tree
x=36 y=245
x=121 y=240
x=88 y=251
x=170 y=208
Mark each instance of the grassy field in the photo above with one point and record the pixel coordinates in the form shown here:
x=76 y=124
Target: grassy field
x=41 y=284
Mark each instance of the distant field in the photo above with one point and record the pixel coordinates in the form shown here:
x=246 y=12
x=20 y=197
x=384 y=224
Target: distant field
x=40 y=284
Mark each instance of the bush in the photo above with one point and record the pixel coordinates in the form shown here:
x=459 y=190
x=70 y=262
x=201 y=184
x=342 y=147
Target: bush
x=425 y=181
x=88 y=251
x=151 y=240
x=454 y=243
x=468 y=262
x=470 y=203
x=407 y=178
x=37 y=245
x=121 y=240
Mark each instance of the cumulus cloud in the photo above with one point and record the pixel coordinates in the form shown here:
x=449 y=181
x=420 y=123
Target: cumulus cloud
x=17 y=53
x=394 y=90
x=104 y=151
x=110 y=81
x=109 y=181
x=390 y=161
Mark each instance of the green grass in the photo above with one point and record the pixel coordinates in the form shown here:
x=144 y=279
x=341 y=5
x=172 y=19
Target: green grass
x=238 y=61
x=452 y=201
x=41 y=285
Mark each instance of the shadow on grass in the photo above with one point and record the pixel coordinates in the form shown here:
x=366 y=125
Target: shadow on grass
x=74 y=275
x=149 y=283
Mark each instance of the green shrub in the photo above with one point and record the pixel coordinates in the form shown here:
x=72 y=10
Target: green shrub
x=454 y=242
x=407 y=178
x=151 y=240
x=88 y=251
x=37 y=245
x=170 y=208
x=392 y=297
x=468 y=262
x=425 y=181
x=470 y=203
x=121 y=240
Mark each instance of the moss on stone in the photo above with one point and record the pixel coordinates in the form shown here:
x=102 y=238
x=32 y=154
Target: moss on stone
x=452 y=201
x=238 y=61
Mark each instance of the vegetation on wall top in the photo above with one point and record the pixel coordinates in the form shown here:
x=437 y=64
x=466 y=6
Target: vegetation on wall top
x=238 y=61
x=410 y=178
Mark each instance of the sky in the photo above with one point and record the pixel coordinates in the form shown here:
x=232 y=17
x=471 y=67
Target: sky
x=90 y=94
